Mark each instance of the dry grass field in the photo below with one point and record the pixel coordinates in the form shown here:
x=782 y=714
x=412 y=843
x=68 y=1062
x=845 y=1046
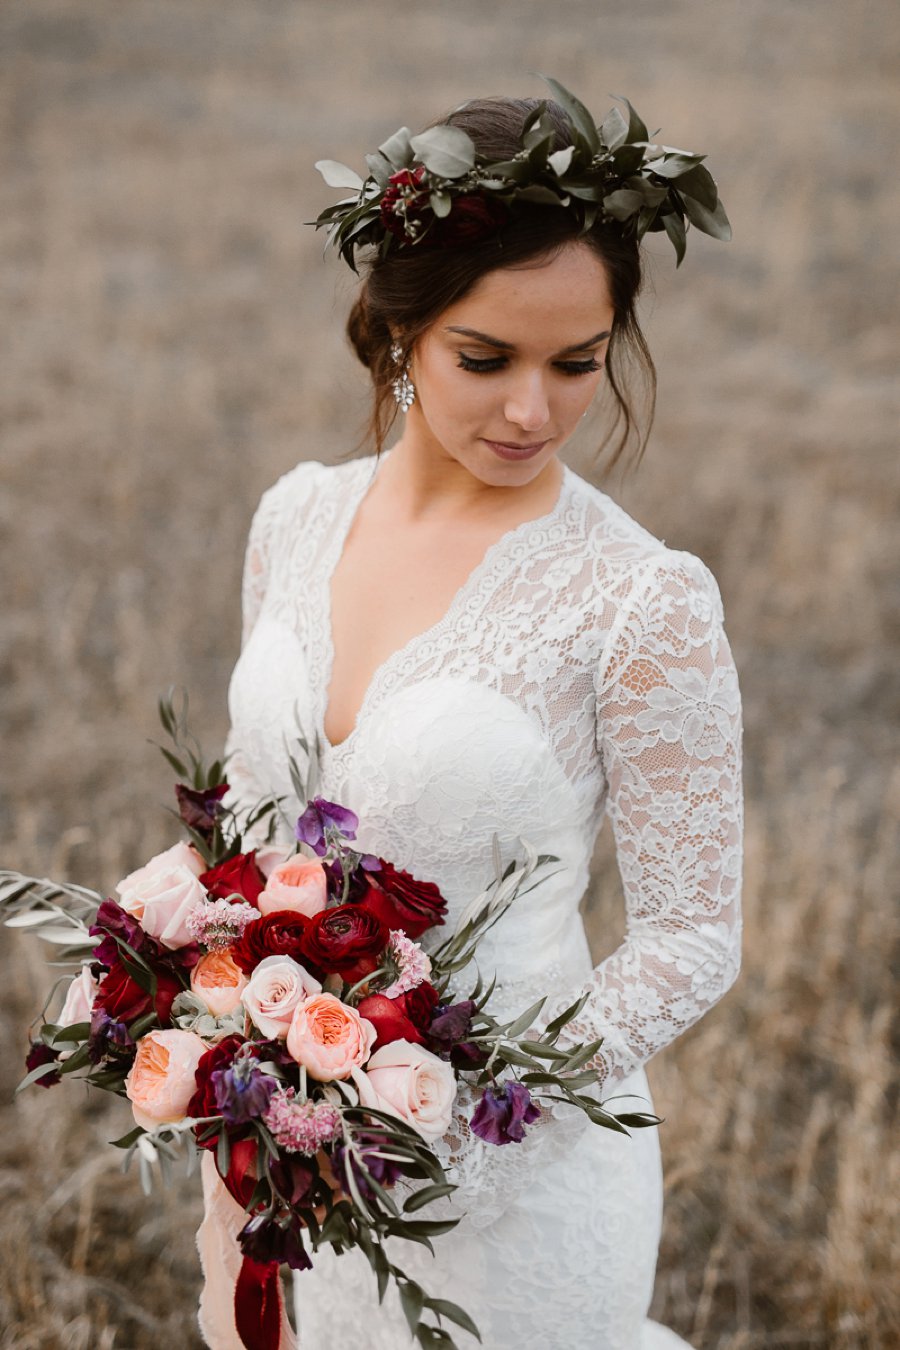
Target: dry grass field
x=172 y=342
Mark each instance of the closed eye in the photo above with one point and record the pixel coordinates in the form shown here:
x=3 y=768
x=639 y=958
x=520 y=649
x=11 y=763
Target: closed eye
x=487 y=364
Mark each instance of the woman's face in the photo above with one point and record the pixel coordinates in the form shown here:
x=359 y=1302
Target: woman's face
x=503 y=376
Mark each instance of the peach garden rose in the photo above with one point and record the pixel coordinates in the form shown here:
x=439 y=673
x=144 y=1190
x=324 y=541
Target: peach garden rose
x=218 y=982
x=161 y=1082
x=162 y=894
x=329 y=1038
x=299 y=884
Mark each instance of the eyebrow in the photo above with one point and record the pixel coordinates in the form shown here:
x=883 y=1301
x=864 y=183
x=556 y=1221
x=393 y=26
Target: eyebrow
x=509 y=346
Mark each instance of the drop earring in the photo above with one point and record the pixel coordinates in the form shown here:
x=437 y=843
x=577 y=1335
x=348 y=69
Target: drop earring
x=402 y=385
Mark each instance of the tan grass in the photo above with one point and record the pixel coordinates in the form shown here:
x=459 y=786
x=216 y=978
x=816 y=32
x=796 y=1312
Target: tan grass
x=173 y=342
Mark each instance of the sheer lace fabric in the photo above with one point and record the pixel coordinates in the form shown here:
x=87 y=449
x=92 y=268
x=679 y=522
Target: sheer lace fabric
x=582 y=670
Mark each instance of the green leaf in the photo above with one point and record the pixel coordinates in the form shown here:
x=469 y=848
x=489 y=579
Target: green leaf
x=36 y=1074
x=623 y=203
x=674 y=163
x=553 y=1028
x=397 y=149
x=639 y=1120
x=714 y=223
x=441 y=203
x=379 y=168
x=454 y=1313
x=412 y=1298
x=128 y=1139
x=560 y=160
x=428 y=1193
x=578 y=114
x=77 y=1031
x=699 y=184
x=614 y=129
x=446 y=151
x=223 y=1152
x=636 y=128
x=523 y=1022
x=674 y=227
x=76 y=1060
x=338 y=175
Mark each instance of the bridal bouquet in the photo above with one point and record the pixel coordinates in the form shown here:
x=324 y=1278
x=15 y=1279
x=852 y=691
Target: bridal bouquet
x=278 y=1012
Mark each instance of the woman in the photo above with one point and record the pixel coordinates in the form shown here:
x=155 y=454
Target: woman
x=483 y=643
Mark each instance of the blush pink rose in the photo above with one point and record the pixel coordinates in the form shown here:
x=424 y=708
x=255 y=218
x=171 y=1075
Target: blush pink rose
x=329 y=1038
x=79 y=999
x=161 y=1082
x=162 y=894
x=218 y=981
x=270 y=856
x=299 y=884
x=276 y=989
x=412 y=1083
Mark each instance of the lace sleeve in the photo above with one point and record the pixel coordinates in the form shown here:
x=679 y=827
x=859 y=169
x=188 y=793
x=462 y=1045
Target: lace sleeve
x=669 y=734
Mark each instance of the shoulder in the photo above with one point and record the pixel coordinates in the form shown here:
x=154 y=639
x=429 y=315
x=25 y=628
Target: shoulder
x=307 y=488
x=635 y=570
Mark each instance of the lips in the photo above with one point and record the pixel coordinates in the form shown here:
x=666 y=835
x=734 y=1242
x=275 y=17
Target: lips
x=513 y=450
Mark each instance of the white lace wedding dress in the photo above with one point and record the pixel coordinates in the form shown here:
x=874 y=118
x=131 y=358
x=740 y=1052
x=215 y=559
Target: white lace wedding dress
x=580 y=671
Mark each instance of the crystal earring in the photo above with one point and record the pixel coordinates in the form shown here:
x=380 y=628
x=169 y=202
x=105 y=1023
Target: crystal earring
x=403 y=387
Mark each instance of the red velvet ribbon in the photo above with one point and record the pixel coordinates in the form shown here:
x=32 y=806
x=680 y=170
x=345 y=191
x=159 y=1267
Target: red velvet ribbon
x=257 y=1293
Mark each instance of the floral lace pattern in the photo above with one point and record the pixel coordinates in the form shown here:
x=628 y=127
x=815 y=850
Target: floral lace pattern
x=581 y=671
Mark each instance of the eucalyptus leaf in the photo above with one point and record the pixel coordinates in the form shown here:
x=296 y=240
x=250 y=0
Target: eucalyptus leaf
x=454 y=1313
x=424 y=1196
x=674 y=227
x=412 y=1299
x=580 y=117
x=671 y=165
x=637 y=131
x=446 y=151
x=560 y=160
x=397 y=149
x=338 y=175
x=714 y=223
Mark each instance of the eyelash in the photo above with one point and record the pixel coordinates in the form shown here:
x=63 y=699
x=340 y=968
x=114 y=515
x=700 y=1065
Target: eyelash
x=489 y=364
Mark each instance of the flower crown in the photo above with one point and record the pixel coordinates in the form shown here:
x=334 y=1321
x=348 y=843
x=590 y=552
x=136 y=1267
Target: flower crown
x=436 y=190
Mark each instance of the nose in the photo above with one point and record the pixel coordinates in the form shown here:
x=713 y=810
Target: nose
x=527 y=405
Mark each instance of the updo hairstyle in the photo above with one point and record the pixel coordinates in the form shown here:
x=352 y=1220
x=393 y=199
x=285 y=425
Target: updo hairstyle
x=407 y=290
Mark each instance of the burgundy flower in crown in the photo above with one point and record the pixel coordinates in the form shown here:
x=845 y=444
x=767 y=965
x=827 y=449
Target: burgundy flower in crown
x=405 y=206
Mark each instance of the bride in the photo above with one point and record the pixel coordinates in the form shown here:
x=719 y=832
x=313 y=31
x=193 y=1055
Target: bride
x=485 y=643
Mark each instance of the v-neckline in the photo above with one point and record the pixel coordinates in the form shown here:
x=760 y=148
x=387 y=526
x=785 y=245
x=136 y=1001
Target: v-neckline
x=342 y=530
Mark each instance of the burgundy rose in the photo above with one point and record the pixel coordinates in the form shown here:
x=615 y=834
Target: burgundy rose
x=404 y=204
x=400 y=901
x=278 y=934
x=122 y=998
x=200 y=809
x=236 y=876
x=204 y=1103
x=404 y=1018
x=346 y=940
x=43 y=1054
x=473 y=217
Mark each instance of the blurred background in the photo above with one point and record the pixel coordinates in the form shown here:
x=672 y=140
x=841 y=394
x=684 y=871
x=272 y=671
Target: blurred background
x=172 y=342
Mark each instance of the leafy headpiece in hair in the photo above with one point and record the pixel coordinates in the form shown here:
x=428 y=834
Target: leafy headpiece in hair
x=436 y=190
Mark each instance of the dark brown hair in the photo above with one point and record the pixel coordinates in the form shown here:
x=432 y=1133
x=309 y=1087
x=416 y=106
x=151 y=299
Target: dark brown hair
x=407 y=290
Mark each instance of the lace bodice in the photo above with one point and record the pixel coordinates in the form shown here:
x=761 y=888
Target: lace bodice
x=581 y=670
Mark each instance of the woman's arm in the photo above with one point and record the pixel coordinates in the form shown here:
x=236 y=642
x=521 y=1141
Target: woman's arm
x=669 y=734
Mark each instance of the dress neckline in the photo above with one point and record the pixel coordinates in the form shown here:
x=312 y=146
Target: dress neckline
x=342 y=526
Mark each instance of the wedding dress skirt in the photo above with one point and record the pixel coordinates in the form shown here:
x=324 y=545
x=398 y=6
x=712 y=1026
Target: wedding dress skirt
x=581 y=671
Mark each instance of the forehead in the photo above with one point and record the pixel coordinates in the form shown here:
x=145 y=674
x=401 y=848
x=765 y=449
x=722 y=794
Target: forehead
x=561 y=299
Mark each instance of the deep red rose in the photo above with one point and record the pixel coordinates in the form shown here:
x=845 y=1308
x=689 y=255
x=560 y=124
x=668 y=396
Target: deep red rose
x=278 y=934
x=123 y=999
x=400 y=901
x=403 y=203
x=405 y=1017
x=473 y=217
x=203 y=1102
x=43 y=1054
x=346 y=941
x=236 y=876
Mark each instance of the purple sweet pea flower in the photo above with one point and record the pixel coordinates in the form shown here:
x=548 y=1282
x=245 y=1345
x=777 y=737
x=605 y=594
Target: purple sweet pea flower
x=502 y=1114
x=106 y=1036
x=113 y=921
x=264 y=1239
x=450 y=1025
x=319 y=818
x=200 y=808
x=242 y=1091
